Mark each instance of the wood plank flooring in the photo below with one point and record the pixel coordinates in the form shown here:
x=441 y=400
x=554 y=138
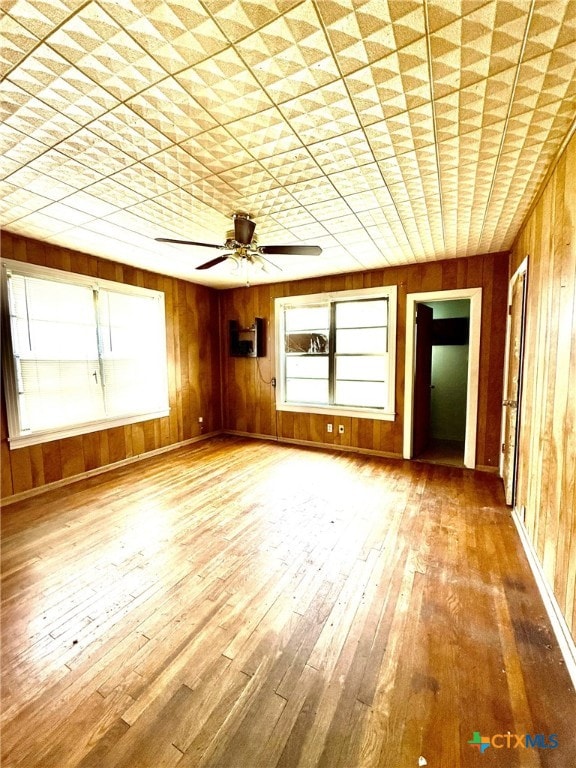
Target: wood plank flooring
x=246 y=604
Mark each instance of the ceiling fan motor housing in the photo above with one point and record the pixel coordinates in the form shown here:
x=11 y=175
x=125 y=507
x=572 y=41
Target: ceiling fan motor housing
x=243 y=228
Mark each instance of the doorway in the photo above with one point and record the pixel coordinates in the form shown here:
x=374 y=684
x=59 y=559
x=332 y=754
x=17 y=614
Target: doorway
x=442 y=366
x=441 y=381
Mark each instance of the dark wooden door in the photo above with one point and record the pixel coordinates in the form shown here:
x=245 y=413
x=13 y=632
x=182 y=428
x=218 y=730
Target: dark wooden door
x=422 y=379
x=513 y=391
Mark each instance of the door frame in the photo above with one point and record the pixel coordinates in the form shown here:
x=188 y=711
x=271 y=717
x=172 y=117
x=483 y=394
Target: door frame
x=521 y=271
x=412 y=299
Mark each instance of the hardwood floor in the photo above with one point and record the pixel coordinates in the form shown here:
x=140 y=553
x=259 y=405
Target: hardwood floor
x=247 y=604
x=450 y=452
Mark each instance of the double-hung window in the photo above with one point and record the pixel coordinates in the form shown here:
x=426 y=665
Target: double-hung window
x=81 y=354
x=337 y=352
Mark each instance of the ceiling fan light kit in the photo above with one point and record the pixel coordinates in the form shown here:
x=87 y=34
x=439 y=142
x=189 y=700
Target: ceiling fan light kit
x=243 y=244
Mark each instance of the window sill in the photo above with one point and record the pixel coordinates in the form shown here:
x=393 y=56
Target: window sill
x=22 y=441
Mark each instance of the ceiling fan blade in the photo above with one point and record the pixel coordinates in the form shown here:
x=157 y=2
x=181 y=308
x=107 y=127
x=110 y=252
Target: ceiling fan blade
x=243 y=229
x=295 y=250
x=213 y=262
x=186 y=242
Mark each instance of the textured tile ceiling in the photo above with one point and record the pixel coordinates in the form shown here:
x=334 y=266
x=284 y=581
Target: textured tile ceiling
x=385 y=131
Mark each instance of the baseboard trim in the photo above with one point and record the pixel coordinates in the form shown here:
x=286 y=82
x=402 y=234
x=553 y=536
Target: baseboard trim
x=315 y=444
x=252 y=435
x=559 y=625
x=342 y=448
x=30 y=493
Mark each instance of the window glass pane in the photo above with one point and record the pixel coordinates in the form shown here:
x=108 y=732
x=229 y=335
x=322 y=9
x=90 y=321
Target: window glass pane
x=133 y=363
x=307 y=318
x=307 y=367
x=52 y=320
x=356 y=368
x=362 y=341
x=307 y=329
x=352 y=369
x=129 y=324
x=306 y=391
x=361 y=314
x=131 y=386
x=55 y=345
x=361 y=393
x=56 y=302
x=311 y=343
x=19 y=315
x=83 y=354
x=52 y=341
x=57 y=394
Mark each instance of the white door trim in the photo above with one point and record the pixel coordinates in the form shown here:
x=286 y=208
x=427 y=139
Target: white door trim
x=475 y=296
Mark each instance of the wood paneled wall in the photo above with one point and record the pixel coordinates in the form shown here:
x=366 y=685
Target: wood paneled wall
x=547 y=470
x=249 y=397
x=192 y=319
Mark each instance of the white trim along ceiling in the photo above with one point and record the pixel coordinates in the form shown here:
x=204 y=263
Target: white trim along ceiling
x=386 y=132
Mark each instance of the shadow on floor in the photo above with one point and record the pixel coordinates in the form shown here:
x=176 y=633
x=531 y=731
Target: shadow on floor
x=449 y=452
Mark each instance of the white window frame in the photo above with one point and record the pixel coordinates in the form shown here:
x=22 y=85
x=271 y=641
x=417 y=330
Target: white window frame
x=18 y=438
x=389 y=292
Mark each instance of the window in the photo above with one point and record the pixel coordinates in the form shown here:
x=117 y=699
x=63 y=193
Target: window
x=82 y=354
x=337 y=352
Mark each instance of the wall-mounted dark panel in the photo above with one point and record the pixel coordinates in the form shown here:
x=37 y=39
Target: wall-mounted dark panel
x=247 y=342
x=450 y=330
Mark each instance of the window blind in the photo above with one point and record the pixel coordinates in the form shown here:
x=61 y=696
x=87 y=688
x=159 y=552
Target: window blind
x=83 y=354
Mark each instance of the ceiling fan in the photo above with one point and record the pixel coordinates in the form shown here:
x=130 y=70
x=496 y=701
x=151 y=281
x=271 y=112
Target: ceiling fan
x=242 y=244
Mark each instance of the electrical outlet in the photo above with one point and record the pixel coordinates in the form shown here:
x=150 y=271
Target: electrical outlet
x=340 y=429
x=328 y=427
